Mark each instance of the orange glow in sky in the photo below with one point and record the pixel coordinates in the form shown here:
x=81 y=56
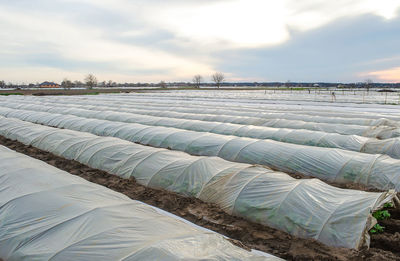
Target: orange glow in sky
x=389 y=75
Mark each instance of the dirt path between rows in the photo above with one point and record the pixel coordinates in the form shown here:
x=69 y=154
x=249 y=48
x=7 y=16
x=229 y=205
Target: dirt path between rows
x=246 y=234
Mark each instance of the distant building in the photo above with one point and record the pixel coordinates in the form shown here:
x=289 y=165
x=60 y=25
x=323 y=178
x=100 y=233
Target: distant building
x=49 y=85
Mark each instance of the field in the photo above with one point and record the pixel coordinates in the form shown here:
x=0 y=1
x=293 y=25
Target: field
x=299 y=174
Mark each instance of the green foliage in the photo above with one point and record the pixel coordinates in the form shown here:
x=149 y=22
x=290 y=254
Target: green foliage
x=381 y=214
x=11 y=93
x=377 y=229
x=388 y=205
x=92 y=93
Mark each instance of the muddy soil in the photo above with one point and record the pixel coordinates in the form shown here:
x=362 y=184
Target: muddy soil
x=244 y=233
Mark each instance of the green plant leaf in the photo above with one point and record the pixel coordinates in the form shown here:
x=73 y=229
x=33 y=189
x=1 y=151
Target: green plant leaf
x=381 y=214
x=377 y=229
x=388 y=205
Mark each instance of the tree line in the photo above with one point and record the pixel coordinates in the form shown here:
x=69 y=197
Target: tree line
x=217 y=78
x=90 y=81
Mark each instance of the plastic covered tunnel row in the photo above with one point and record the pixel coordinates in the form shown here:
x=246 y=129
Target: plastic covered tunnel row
x=264 y=115
x=48 y=214
x=251 y=114
x=381 y=131
x=377 y=171
x=139 y=107
x=156 y=102
x=356 y=98
x=390 y=147
x=306 y=208
x=258 y=99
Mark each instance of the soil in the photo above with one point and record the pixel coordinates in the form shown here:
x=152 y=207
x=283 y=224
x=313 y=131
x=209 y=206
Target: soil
x=246 y=234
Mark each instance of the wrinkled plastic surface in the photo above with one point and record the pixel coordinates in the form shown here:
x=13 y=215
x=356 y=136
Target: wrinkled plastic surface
x=359 y=99
x=377 y=171
x=307 y=208
x=250 y=116
x=184 y=99
x=390 y=147
x=248 y=100
x=334 y=125
x=48 y=214
x=356 y=97
x=133 y=106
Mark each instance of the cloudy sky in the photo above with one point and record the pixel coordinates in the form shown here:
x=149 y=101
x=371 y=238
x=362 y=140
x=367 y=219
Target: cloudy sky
x=171 y=40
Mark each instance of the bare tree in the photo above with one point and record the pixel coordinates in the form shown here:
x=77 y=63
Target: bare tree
x=218 y=78
x=110 y=83
x=197 y=79
x=66 y=84
x=163 y=84
x=78 y=83
x=2 y=84
x=90 y=81
x=368 y=84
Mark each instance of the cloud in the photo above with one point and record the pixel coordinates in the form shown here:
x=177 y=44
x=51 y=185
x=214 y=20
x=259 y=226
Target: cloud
x=41 y=39
x=389 y=75
x=259 y=23
x=339 y=52
x=153 y=40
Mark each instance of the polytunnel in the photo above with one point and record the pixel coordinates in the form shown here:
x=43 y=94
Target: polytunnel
x=375 y=171
x=306 y=208
x=260 y=99
x=327 y=110
x=138 y=108
x=253 y=102
x=264 y=115
x=390 y=147
x=381 y=131
x=269 y=96
x=49 y=214
x=129 y=100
